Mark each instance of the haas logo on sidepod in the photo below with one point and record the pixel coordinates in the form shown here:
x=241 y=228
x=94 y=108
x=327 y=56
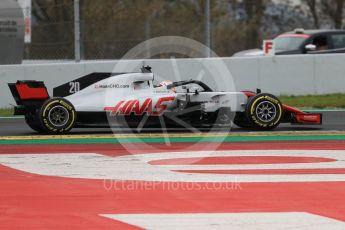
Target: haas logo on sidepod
x=134 y=106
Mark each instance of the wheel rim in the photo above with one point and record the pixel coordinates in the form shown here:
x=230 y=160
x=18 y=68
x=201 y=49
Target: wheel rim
x=266 y=111
x=58 y=116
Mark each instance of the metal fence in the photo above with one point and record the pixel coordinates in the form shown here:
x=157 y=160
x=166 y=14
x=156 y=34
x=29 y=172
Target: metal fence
x=54 y=32
x=102 y=35
x=109 y=28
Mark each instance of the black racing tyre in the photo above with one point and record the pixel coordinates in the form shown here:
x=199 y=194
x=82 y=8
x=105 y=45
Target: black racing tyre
x=264 y=111
x=57 y=116
x=33 y=122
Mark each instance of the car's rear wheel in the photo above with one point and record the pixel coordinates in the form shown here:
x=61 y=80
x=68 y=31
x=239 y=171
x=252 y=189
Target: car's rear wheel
x=264 y=111
x=57 y=116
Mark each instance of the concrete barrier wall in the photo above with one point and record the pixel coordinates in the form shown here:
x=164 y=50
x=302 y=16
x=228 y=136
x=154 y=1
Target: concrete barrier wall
x=280 y=75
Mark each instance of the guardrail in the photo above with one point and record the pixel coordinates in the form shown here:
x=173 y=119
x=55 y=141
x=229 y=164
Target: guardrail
x=280 y=75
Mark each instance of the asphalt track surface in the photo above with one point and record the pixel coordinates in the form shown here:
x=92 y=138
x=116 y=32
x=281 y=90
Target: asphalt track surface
x=332 y=121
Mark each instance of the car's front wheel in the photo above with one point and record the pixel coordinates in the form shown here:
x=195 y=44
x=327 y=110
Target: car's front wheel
x=264 y=111
x=57 y=116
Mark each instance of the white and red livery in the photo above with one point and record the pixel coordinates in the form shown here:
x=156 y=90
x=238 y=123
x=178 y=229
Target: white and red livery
x=107 y=99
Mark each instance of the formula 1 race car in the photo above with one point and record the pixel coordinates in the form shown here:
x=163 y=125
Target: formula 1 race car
x=99 y=99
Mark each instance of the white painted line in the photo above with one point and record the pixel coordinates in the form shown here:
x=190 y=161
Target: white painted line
x=233 y=221
x=12 y=117
x=135 y=167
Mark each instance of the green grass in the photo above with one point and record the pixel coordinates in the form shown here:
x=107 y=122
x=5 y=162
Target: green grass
x=315 y=101
x=308 y=101
x=6 y=112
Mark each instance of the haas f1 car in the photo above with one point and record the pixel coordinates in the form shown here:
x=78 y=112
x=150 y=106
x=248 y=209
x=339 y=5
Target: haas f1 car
x=93 y=100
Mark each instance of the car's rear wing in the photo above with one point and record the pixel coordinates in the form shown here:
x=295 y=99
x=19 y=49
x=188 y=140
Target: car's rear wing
x=28 y=94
